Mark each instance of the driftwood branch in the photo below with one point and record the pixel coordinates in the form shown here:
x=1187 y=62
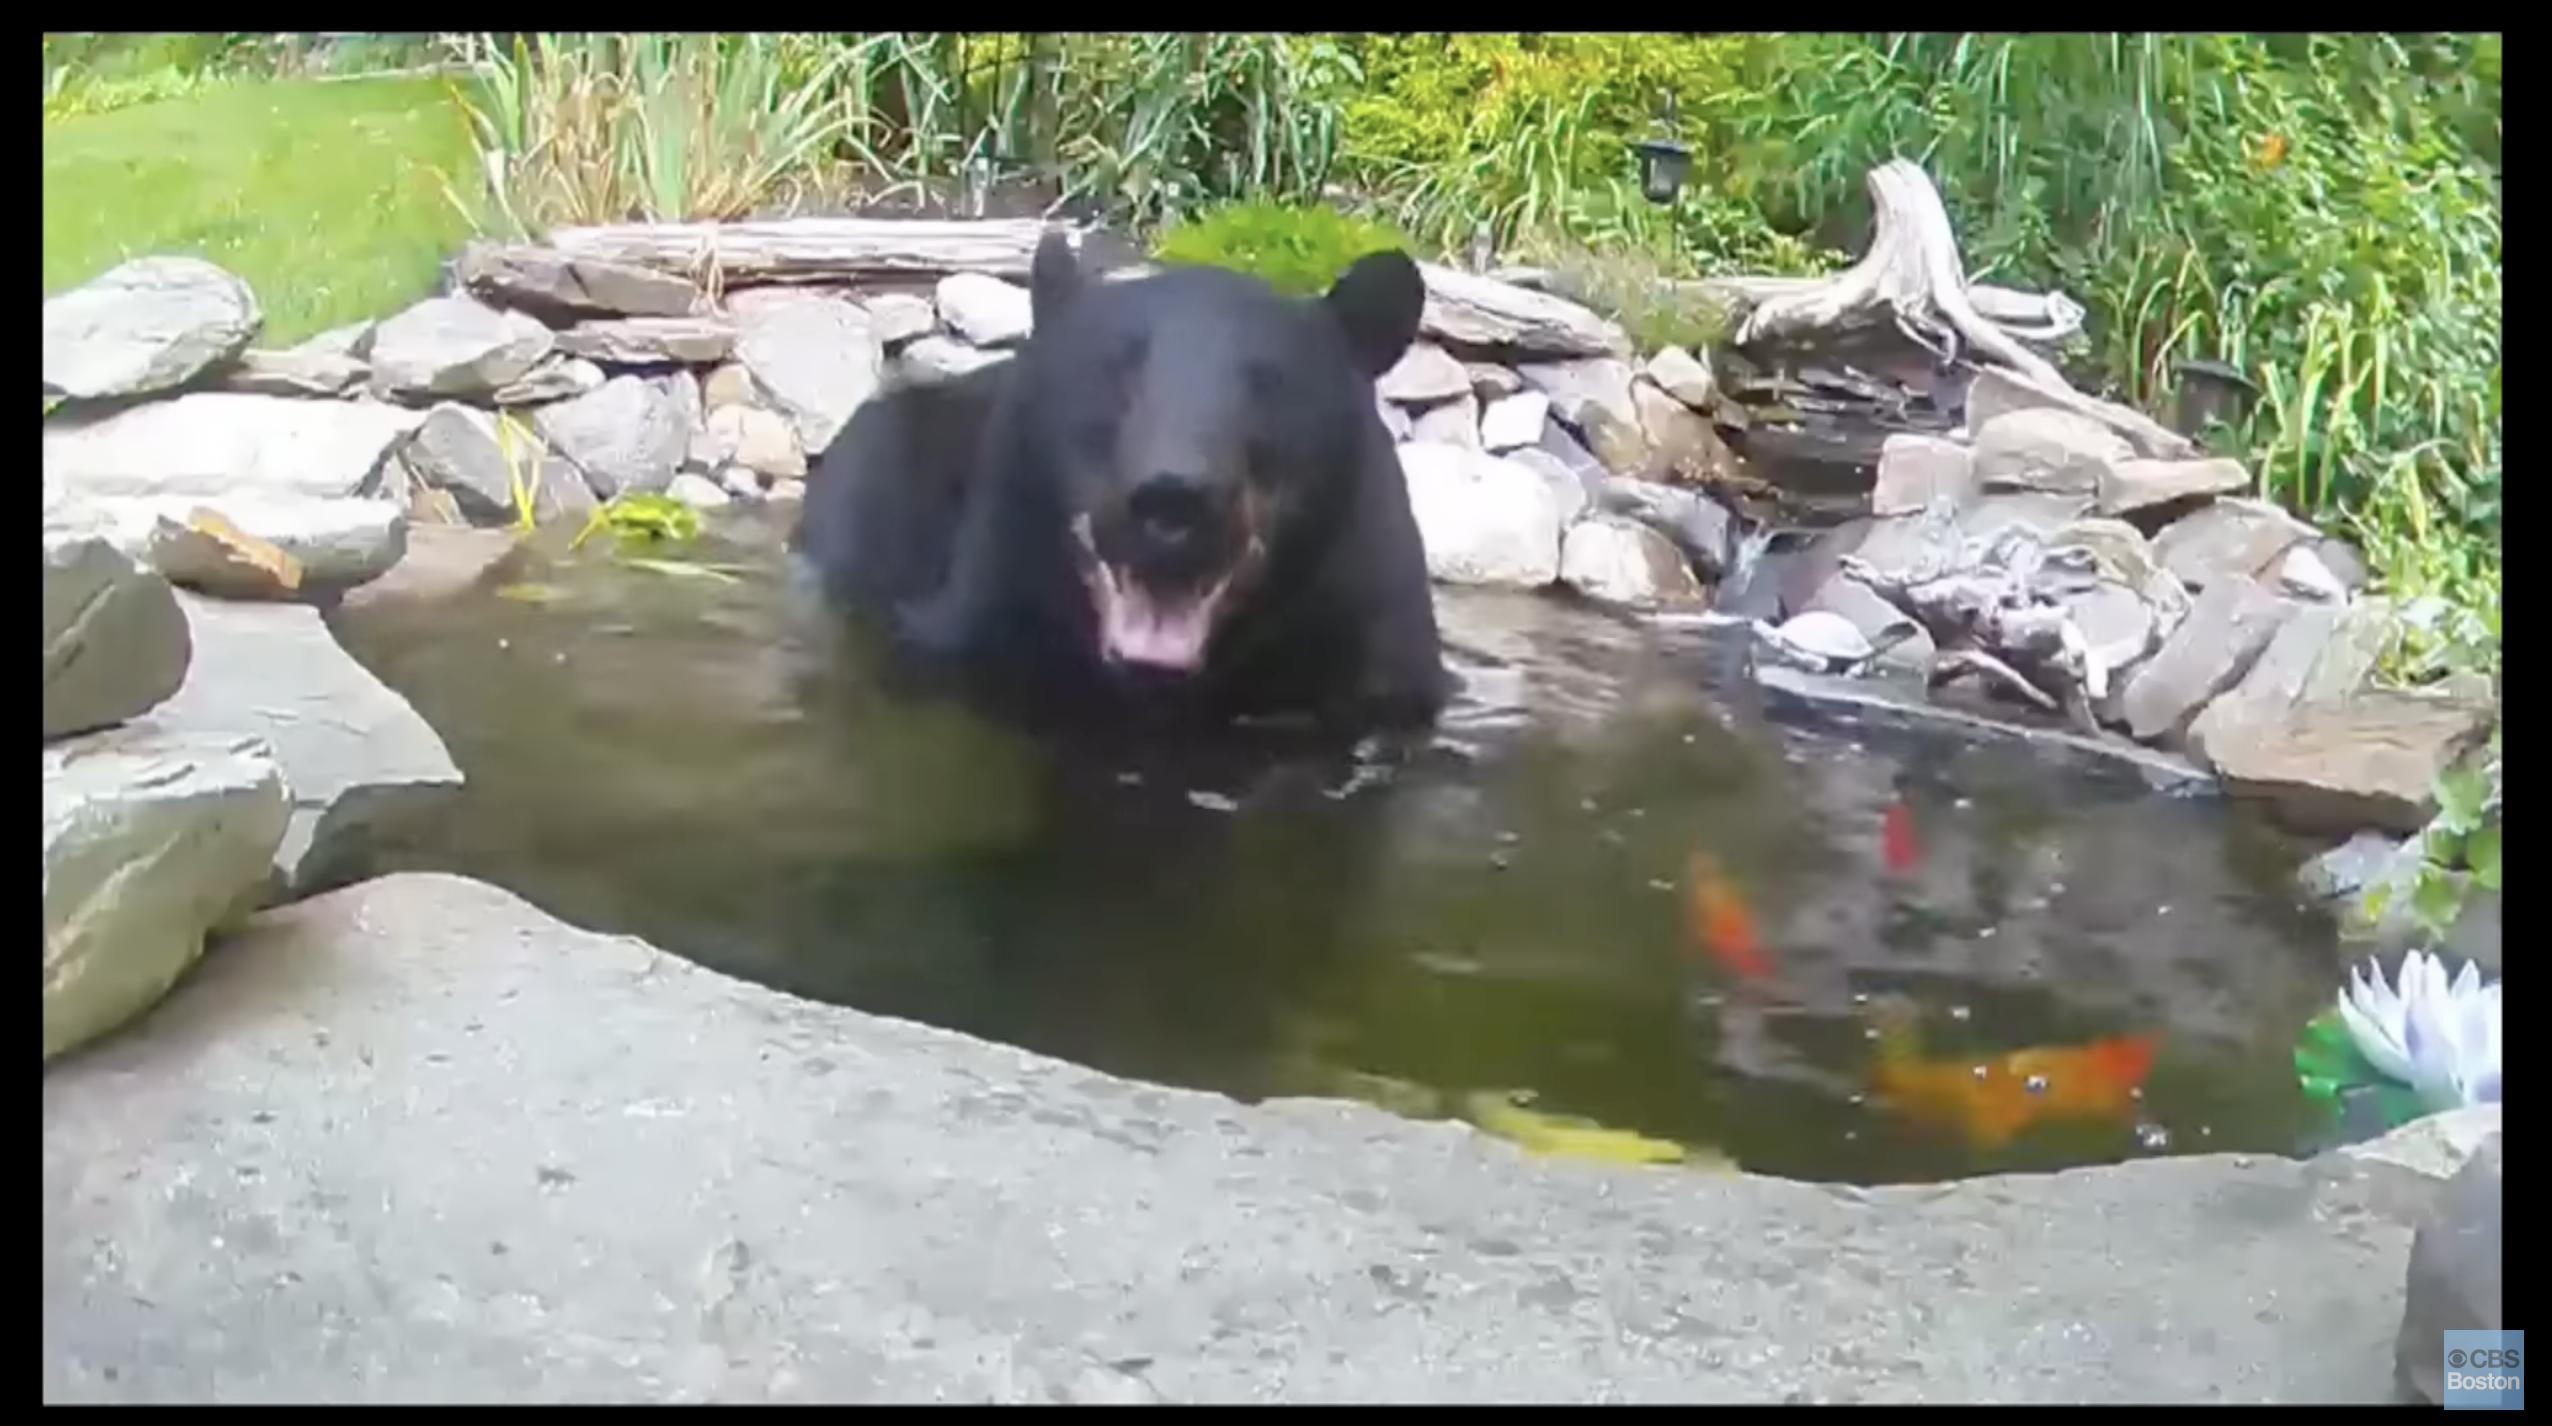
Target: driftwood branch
x=1913 y=280
x=826 y=250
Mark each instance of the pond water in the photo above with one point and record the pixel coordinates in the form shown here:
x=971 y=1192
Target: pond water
x=1610 y=889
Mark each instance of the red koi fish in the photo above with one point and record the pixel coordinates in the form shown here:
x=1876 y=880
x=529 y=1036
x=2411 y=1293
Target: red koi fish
x=1721 y=922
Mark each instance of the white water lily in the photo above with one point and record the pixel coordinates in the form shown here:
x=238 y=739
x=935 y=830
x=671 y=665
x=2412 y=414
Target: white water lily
x=2439 y=1038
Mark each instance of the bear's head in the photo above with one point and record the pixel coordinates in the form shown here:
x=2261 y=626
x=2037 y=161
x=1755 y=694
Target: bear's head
x=1195 y=422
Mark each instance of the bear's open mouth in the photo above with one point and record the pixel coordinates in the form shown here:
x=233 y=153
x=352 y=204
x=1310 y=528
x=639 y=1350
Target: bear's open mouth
x=1143 y=625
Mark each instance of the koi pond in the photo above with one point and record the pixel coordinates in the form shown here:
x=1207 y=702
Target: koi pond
x=1612 y=908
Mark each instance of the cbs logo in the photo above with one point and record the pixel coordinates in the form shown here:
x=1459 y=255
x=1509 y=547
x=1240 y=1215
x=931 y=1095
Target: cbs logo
x=2484 y=1357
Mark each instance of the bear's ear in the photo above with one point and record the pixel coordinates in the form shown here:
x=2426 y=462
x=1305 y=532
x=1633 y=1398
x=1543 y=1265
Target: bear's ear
x=1377 y=299
x=1054 y=277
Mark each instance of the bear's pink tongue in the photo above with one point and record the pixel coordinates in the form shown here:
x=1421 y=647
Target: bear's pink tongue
x=1137 y=628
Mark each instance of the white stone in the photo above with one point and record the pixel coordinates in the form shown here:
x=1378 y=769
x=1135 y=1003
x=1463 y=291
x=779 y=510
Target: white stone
x=699 y=492
x=150 y=840
x=1621 y=561
x=762 y=440
x=814 y=358
x=939 y=358
x=455 y=346
x=1483 y=519
x=1455 y=422
x=984 y=310
x=147 y=325
x=898 y=317
x=219 y=442
x=1424 y=374
x=627 y=434
x=1683 y=376
x=1513 y=421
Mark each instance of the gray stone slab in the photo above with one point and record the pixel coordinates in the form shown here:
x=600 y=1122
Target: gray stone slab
x=415 y=1141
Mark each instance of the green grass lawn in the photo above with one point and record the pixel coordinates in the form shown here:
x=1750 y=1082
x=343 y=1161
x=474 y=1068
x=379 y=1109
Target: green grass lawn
x=328 y=198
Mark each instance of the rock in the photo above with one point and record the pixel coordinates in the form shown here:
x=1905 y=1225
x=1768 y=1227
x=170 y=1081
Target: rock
x=938 y=358
x=2368 y=760
x=310 y=369
x=1567 y=487
x=1678 y=440
x=1474 y=311
x=699 y=492
x=2230 y=624
x=649 y=341
x=2435 y=1146
x=454 y=346
x=1623 y=561
x=346 y=743
x=2228 y=539
x=548 y=281
x=1423 y=376
x=440 y=562
x=1572 y=456
x=986 y=311
x=2116 y=624
x=1492 y=382
x=2301 y=573
x=1455 y=423
x=815 y=358
x=2140 y=484
x=150 y=840
x=992 y=1258
x=760 y=440
x=1680 y=375
x=1514 y=421
x=2257 y=706
x=555 y=378
x=2040 y=512
x=898 y=317
x=2048 y=450
x=2457 y=1261
x=1915 y=470
x=1484 y=519
x=1578 y=387
x=625 y=435
x=729 y=385
x=221 y=443
x=115 y=642
x=681 y=386
x=740 y=482
x=332 y=544
x=789 y=491
x=2342 y=560
x=1395 y=422
x=151 y=324
x=2119 y=550
x=1696 y=524
x=459 y=449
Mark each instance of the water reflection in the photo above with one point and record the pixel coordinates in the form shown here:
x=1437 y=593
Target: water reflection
x=1508 y=909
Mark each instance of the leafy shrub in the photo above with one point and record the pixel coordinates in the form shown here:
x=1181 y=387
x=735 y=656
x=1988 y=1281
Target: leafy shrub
x=1298 y=250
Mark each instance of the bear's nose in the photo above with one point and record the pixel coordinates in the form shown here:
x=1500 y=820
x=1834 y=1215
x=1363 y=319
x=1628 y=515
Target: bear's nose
x=1170 y=508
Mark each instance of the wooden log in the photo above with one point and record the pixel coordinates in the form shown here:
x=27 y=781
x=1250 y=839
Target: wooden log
x=1912 y=279
x=815 y=250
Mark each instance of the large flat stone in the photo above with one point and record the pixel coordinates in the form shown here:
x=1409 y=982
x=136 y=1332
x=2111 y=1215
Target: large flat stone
x=2371 y=760
x=147 y=325
x=415 y=1141
x=347 y=744
x=220 y=442
x=150 y=840
x=2230 y=623
x=1483 y=519
x=816 y=358
x=2228 y=539
x=335 y=543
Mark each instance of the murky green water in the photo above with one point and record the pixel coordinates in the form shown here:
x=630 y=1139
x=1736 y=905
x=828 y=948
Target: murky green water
x=704 y=765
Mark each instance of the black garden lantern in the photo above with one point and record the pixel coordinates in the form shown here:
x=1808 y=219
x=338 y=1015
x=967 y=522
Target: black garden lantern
x=2210 y=391
x=1663 y=163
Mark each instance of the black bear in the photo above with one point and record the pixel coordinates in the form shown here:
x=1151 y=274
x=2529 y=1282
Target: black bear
x=1178 y=493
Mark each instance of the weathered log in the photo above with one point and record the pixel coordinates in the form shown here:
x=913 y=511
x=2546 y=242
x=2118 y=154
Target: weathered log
x=1470 y=310
x=1913 y=280
x=815 y=250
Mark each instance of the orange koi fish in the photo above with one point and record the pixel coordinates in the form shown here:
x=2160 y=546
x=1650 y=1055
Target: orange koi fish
x=1722 y=923
x=2095 y=1082
x=1896 y=839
